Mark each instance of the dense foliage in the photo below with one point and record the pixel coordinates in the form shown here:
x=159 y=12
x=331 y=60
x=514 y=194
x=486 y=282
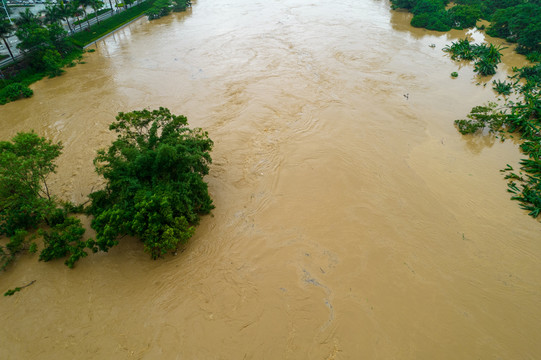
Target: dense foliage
x=64 y=240
x=45 y=45
x=155 y=189
x=520 y=24
x=515 y=20
x=14 y=92
x=433 y=15
x=164 y=7
x=502 y=87
x=486 y=56
x=25 y=201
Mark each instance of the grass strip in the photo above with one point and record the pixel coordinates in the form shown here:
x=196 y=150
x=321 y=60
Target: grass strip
x=108 y=25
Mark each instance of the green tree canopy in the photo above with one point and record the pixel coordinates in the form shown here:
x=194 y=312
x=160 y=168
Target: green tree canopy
x=155 y=189
x=25 y=163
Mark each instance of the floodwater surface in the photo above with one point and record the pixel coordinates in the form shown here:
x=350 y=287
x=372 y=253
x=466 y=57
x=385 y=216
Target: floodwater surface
x=352 y=220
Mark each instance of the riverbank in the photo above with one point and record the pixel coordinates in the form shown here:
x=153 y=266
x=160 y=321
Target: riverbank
x=22 y=73
x=108 y=26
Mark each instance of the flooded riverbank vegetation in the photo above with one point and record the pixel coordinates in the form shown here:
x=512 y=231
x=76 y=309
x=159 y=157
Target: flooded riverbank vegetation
x=164 y=7
x=516 y=21
x=48 y=48
x=486 y=56
x=520 y=117
x=154 y=191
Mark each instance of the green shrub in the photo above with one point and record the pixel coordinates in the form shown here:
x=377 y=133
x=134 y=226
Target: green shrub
x=52 y=62
x=64 y=239
x=502 y=87
x=481 y=117
x=14 y=92
x=487 y=57
x=159 y=9
x=463 y=16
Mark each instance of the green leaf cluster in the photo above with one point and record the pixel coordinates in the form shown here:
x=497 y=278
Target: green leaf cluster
x=162 y=8
x=155 y=189
x=520 y=24
x=45 y=46
x=64 y=239
x=14 y=92
x=486 y=56
x=502 y=87
x=433 y=15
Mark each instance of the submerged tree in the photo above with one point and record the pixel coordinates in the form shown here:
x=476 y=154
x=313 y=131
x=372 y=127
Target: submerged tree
x=25 y=202
x=155 y=189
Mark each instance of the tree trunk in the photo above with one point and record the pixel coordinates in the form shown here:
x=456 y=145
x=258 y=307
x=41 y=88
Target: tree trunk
x=9 y=49
x=69 y=26
x=80 y=22
x=87 y=20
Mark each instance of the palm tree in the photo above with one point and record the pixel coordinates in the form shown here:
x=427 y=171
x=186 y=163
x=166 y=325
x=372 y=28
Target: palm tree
x=64 y=12
x=27 y=18
x=74 y=10
x=51 y=15
x=6 y=29
x=96 y=5
x=84 y=4
x=110 y=3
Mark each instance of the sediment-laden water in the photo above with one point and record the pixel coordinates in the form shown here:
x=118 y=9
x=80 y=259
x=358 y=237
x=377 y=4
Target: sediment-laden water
x=352 y=220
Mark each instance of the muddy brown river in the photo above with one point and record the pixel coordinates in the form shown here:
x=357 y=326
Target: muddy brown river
x=352 y=220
